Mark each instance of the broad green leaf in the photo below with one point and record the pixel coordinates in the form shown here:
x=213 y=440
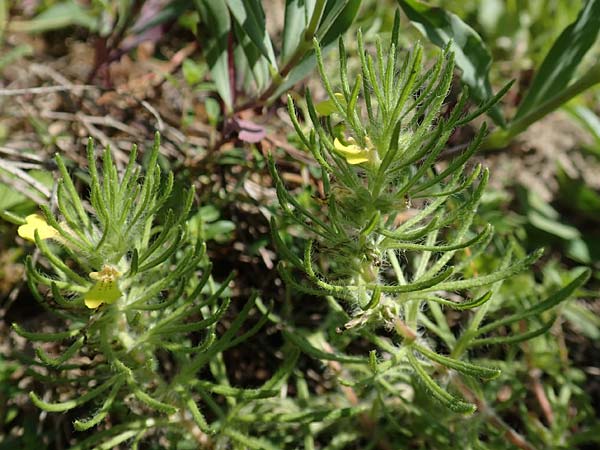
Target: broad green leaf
x=337 y=18
x=582 y=319
x=579 y=250
x=250 y=62
x=60 y=15
x=171 y=11
x=250 y=16
x=329 y=30
x=561 y=62
x=16 y=202
x=297 y=16
x=193 y=72
x=471 y=54
x=217 y=23
x=552 y=226
x=588 y=120
x=9 y=198
x=578 y=195
x=544 y=217
x=327 y=107
x=213 y=111
x=220 y=230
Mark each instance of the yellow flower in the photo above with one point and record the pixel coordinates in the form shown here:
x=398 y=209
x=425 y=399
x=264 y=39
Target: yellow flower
x=106 y=290
x=354 y=153
x=36 y=222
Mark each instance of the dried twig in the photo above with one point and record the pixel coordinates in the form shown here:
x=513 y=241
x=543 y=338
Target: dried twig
x=24 y=176
x=22 y=188
x=493 y=419
x=47 y=90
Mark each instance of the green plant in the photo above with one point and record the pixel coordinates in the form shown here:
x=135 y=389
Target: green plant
x=134 y=292
x=394 y=240
x=403 y=300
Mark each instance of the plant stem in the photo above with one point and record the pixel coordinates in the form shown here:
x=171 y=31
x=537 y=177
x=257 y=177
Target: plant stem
x=501 y=137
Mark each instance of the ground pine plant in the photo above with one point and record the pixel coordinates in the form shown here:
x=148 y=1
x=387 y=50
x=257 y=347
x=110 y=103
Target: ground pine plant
x=133 y=290
x=393 y=245
x=411 y=282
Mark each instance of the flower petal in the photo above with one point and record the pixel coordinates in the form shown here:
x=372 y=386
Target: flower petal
x=358 y=159
x=36 y=222
x=92 y=303
x=106 y=290
x=353 y=153
x=351 y=149
x=102 y=292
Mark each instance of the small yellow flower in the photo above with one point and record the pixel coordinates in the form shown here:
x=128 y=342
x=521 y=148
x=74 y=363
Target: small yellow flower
x=36 y=222
x=106 y=290
x=354 y=154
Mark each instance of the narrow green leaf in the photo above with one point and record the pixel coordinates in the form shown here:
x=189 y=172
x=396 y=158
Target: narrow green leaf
x=307 y=416
x=282 y=248
x=472 y=56
x=45 y=337
x=111 y=438
x=73 y=194
x=86 y=424
x=589 y=120
x=413 y=234
x=58 y=264
x=445 y=398
x=484 y=280
x=66 y=355
x=246 y=394
x=152 y=402
x=195 y=411
x=311 y=350
x=70 y=404
x=463 y=305
x=429 y=284
x=12 y=218
x=540 y=307
x=249 y=442
x=513 y=338
x=469 y=369
x=393 y=244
